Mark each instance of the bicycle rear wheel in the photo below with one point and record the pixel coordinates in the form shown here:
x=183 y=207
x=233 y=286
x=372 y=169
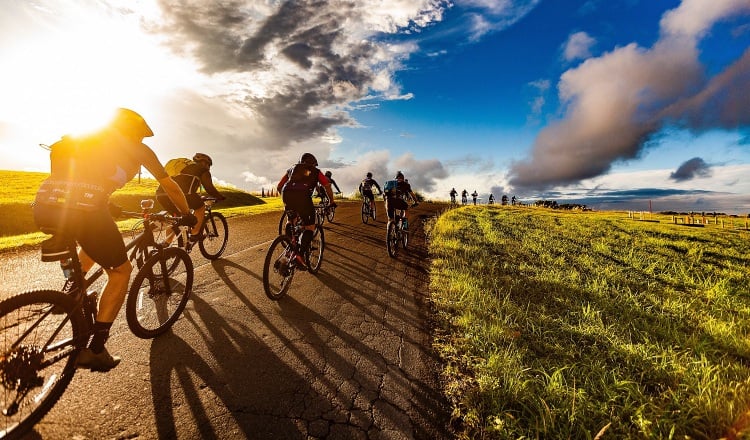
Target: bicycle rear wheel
x=365 y=213
x=38 y=350
x=391 y=239
x=159 y=292
x=282 y=222
x=216 y=236
x=330 y=213
x=278 y=268
x=315 y=257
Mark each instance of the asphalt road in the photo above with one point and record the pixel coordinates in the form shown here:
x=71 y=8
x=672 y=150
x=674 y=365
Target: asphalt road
x=346 y=355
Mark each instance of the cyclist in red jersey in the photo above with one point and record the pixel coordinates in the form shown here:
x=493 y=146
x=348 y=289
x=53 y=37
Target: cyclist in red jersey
x=296 y=187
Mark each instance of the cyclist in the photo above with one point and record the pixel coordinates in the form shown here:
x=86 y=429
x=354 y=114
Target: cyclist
x=73 y=201
x=365 y=188
x=453 y=193
x=190 y=179
x=464 y=197
x=474 y=196
x=296 y=187
x=491 y=200
x=395 y=194
x=329 y=175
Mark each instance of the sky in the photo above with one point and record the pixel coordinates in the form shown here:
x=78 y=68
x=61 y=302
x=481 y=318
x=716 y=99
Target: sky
x=616 y=104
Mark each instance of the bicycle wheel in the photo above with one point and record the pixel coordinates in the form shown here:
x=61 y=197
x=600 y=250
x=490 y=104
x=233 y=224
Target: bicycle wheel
x=330 y=213
x=404 y=238
x=157 y=297
x=278 y=269
x=38 y=351
x=315 y=257
x=320 y=216
x=391 y=239
x=365 y=213
x=216 y=236
x=373 y=211
x=282 y=222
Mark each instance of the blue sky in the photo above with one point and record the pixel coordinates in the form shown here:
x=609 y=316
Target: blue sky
x=609 y=103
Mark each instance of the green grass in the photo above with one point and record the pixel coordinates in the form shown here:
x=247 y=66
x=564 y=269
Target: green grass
x=18 y=189
x=561 y=325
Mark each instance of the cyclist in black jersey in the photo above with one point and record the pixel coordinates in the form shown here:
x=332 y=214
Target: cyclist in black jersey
x=365 y=188
x=395 y=194
x=74 y=201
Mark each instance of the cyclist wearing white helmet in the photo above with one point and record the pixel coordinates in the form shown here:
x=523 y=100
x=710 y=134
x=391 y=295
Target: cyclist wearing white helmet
x=74 y=201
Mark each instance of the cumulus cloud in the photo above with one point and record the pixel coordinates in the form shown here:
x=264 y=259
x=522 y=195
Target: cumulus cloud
x=614 y=103
x=578 y=46
x=695 y=167
x=422 y=174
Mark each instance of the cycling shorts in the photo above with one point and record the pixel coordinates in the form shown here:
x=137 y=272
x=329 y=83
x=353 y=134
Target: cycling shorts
x=95 y=231
x=301 y=202
x=367 y=194
x=393 y=203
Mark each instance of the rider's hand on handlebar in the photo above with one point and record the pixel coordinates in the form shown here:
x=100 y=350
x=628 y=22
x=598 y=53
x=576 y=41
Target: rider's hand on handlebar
x=115 y=210
x=187 y=220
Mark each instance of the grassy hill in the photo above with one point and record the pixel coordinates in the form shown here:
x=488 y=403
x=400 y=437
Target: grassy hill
x=566 y=325
x=19 y=188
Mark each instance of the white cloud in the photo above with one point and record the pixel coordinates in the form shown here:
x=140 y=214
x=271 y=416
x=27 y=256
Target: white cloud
x=578 y=46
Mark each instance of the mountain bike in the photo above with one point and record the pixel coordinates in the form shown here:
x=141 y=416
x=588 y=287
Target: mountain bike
x=464 y=200
x=367 y=210
x=213 y=236
x=323 y=211
x=42 y=331
x=284 y=257
x=396 y=235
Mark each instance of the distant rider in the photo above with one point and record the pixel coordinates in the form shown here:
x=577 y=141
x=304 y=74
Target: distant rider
x=365 y=188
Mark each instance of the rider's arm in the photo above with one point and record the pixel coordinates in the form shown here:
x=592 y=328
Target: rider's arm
x=333 y=182
x=208 y=185
x=173 y=190
x=282 y=182
x=326 y=183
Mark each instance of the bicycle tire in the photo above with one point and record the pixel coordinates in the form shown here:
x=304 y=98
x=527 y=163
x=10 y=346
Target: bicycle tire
x=404 y=238
x=330 y=213
x=373 y=211
x=365 y=213
x=315 y=258
x=37 y=376
x=278 y=272
x=391 y=239
x=150 y=309
x=216 y=236
x=282 y=223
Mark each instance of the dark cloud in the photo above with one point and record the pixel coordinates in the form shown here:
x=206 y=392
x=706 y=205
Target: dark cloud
x=422 y=174
x=614 y=105
x=695 y=167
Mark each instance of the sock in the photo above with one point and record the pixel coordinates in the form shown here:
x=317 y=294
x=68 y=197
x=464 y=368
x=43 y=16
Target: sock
x=101 y=334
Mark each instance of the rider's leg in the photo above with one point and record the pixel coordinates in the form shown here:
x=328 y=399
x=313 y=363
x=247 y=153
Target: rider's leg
x=200 y=214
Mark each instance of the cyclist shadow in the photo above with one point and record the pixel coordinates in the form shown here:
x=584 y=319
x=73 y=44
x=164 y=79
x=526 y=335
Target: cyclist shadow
x=195 y=395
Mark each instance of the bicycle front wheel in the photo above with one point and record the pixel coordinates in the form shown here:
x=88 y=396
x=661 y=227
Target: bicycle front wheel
x=278 y=268
x=38 y=350
x=404 y=238
x=315 y=257
x=391 y=239
x=330 y=213
x=365 y=213
x=159 y=292
x=216 y=236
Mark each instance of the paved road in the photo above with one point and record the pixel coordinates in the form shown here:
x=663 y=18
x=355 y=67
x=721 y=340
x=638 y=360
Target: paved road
x=345 y=356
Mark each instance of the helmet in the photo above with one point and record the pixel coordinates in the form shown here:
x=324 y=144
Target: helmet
x=309 y=159
x=329 y=174
x=200 y=156
x=369 y=175
x=131 y=123
x=399 y=175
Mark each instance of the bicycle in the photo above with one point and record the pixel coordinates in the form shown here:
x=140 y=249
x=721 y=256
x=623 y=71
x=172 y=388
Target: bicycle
x=322 y=211
x=42 y=331
x=213 y=236
x=367 y=210
x=464 y=200
x=396 y=235
x=284 y=257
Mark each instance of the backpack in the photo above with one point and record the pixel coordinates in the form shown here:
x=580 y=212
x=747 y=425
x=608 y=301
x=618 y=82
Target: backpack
x=175 y=166
x=302 y=177
x=390 y=187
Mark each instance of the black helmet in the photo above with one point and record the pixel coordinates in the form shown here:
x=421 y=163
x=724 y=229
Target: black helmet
x=200 y=156
x=329 y=174
x=309 y=159
x=369 y=175
x=129 y=122
x=399 y=175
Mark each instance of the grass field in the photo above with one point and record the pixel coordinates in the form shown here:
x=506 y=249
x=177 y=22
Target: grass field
x=568 y=325
x=17 y=227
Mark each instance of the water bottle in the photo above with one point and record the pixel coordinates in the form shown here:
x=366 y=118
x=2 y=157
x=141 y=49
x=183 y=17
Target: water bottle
x=67 y=267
